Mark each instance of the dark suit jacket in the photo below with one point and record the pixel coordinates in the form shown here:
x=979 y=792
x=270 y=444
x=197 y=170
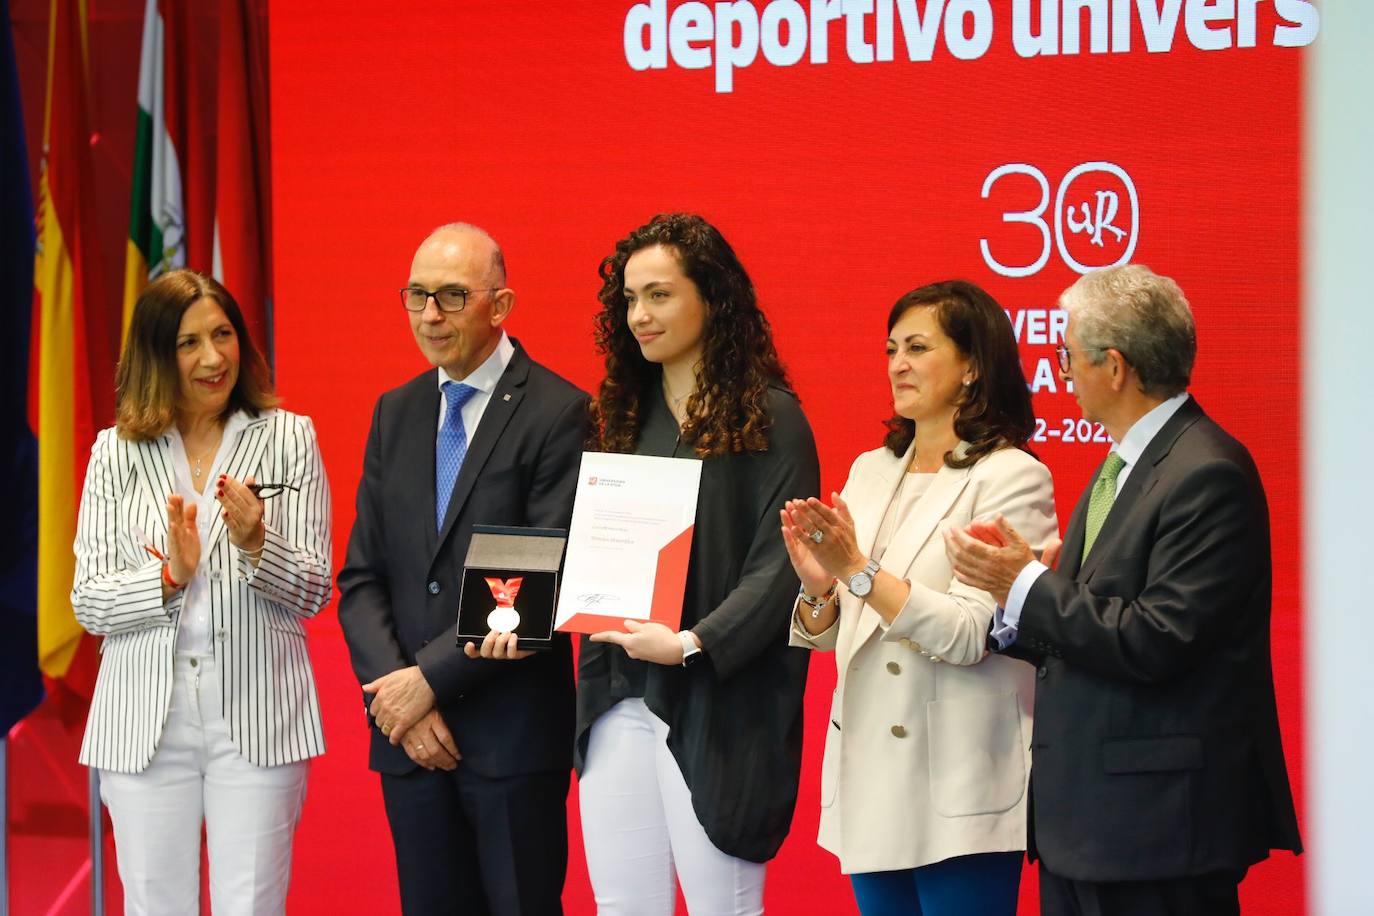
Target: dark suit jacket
x=1156 y=747
x=398 y=589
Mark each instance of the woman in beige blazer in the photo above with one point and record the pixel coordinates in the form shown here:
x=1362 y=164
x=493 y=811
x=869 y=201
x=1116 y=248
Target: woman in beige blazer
x=923 y=788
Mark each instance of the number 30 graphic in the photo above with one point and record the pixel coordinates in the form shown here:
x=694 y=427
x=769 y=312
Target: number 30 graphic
x=1093 y=223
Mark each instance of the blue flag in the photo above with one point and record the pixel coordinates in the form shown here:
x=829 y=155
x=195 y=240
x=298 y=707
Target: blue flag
x=21 y=687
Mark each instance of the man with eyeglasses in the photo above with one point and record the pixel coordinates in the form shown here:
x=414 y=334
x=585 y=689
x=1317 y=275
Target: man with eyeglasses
x=474 y=754
x=1157 y=774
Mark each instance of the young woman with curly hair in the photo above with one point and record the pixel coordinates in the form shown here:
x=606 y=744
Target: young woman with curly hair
x=689 y=743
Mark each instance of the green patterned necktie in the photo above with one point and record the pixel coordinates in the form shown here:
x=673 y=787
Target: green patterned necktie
x=1100 y=502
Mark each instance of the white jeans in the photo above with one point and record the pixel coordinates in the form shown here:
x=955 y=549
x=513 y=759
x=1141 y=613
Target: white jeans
x=250 y=812
x=641 y=834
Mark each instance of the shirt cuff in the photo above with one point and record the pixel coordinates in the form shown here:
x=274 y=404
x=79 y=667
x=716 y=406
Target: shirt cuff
x=800 y=629
x=1006 y=621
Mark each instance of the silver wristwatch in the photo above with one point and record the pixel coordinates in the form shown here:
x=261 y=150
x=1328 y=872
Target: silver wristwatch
x=861 y=583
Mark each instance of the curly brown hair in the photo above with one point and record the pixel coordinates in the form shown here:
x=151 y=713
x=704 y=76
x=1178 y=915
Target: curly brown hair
x=727 y=412
x=995 y=410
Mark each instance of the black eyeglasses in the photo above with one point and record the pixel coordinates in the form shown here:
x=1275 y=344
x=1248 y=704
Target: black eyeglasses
x=448 y=298
x=1066 y=355
x=268 y=490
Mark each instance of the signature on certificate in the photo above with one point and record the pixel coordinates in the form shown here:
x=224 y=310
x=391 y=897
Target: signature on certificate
x=595 y=599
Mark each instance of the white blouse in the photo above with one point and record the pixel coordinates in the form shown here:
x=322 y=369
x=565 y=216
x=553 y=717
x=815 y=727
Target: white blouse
x=193 y=634
x=909 y=493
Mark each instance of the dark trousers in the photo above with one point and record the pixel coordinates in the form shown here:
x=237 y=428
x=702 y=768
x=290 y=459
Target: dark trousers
x=1215 y=894
x=472 y=845
x=981 y=884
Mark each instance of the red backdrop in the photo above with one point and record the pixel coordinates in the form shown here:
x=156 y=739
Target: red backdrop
x=841 y=184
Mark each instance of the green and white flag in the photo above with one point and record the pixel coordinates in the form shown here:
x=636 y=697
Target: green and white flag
x=157 y=223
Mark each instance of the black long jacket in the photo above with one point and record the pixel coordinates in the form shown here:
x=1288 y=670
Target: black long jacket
x=735 y=718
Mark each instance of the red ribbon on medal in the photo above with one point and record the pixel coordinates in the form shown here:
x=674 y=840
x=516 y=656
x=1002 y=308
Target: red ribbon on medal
x=505 y=590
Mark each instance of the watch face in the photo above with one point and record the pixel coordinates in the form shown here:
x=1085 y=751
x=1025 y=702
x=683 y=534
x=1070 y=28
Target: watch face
x=690 y=652
x=861 y=583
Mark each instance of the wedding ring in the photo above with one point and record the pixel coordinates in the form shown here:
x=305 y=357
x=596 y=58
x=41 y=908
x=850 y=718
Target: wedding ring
x=817 y=535
x=386 y=729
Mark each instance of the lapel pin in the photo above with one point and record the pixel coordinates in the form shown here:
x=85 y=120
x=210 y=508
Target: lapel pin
x=506 y=398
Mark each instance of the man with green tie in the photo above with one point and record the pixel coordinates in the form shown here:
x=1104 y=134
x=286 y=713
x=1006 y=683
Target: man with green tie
x=1157 y=774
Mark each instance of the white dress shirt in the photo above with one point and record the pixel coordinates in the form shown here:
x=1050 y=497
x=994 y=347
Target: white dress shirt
x=193 y=633
x=1130 y=448
x=484 y=379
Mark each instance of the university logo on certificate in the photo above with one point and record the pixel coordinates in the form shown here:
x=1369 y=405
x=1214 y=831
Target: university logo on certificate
x=630 y=541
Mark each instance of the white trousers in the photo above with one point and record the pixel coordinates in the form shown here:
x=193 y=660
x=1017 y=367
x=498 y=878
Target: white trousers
x=641 y=834
x=250 y=812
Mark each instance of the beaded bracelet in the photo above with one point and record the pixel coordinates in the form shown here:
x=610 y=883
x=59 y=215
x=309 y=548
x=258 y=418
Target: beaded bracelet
x=816 y=603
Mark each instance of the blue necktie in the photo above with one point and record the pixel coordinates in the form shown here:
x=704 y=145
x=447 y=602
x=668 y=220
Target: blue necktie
x=450 y=448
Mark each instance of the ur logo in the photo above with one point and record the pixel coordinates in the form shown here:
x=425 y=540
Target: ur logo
x=591 y=481
x=1096 y=219
x=1097 y=216
x=1107 y=204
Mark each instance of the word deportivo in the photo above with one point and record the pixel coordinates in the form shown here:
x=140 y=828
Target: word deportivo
x=730 y=36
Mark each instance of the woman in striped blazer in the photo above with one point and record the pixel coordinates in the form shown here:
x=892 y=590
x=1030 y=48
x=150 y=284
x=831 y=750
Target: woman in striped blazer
x=205 y=707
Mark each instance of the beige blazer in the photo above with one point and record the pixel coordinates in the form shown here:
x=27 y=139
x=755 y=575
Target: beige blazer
x=927 y=750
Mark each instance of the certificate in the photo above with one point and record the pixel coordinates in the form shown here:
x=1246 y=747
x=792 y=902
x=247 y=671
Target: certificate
x=629 y=543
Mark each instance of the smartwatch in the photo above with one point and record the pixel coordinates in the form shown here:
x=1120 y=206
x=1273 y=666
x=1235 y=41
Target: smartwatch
x=691 y=652
x=861 y=583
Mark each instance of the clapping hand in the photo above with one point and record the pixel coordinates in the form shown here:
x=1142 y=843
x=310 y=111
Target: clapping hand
x=183 y=540
x=990 y=555
x=820 y=541
x=242 y=512
x=809 y=570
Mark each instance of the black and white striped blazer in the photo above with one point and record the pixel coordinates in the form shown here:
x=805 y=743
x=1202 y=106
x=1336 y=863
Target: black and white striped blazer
x=270 y=702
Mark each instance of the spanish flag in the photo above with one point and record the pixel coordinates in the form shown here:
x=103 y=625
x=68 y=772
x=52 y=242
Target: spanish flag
x=60 y=303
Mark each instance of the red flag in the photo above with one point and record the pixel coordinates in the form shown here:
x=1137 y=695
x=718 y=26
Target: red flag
x=243 y=216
